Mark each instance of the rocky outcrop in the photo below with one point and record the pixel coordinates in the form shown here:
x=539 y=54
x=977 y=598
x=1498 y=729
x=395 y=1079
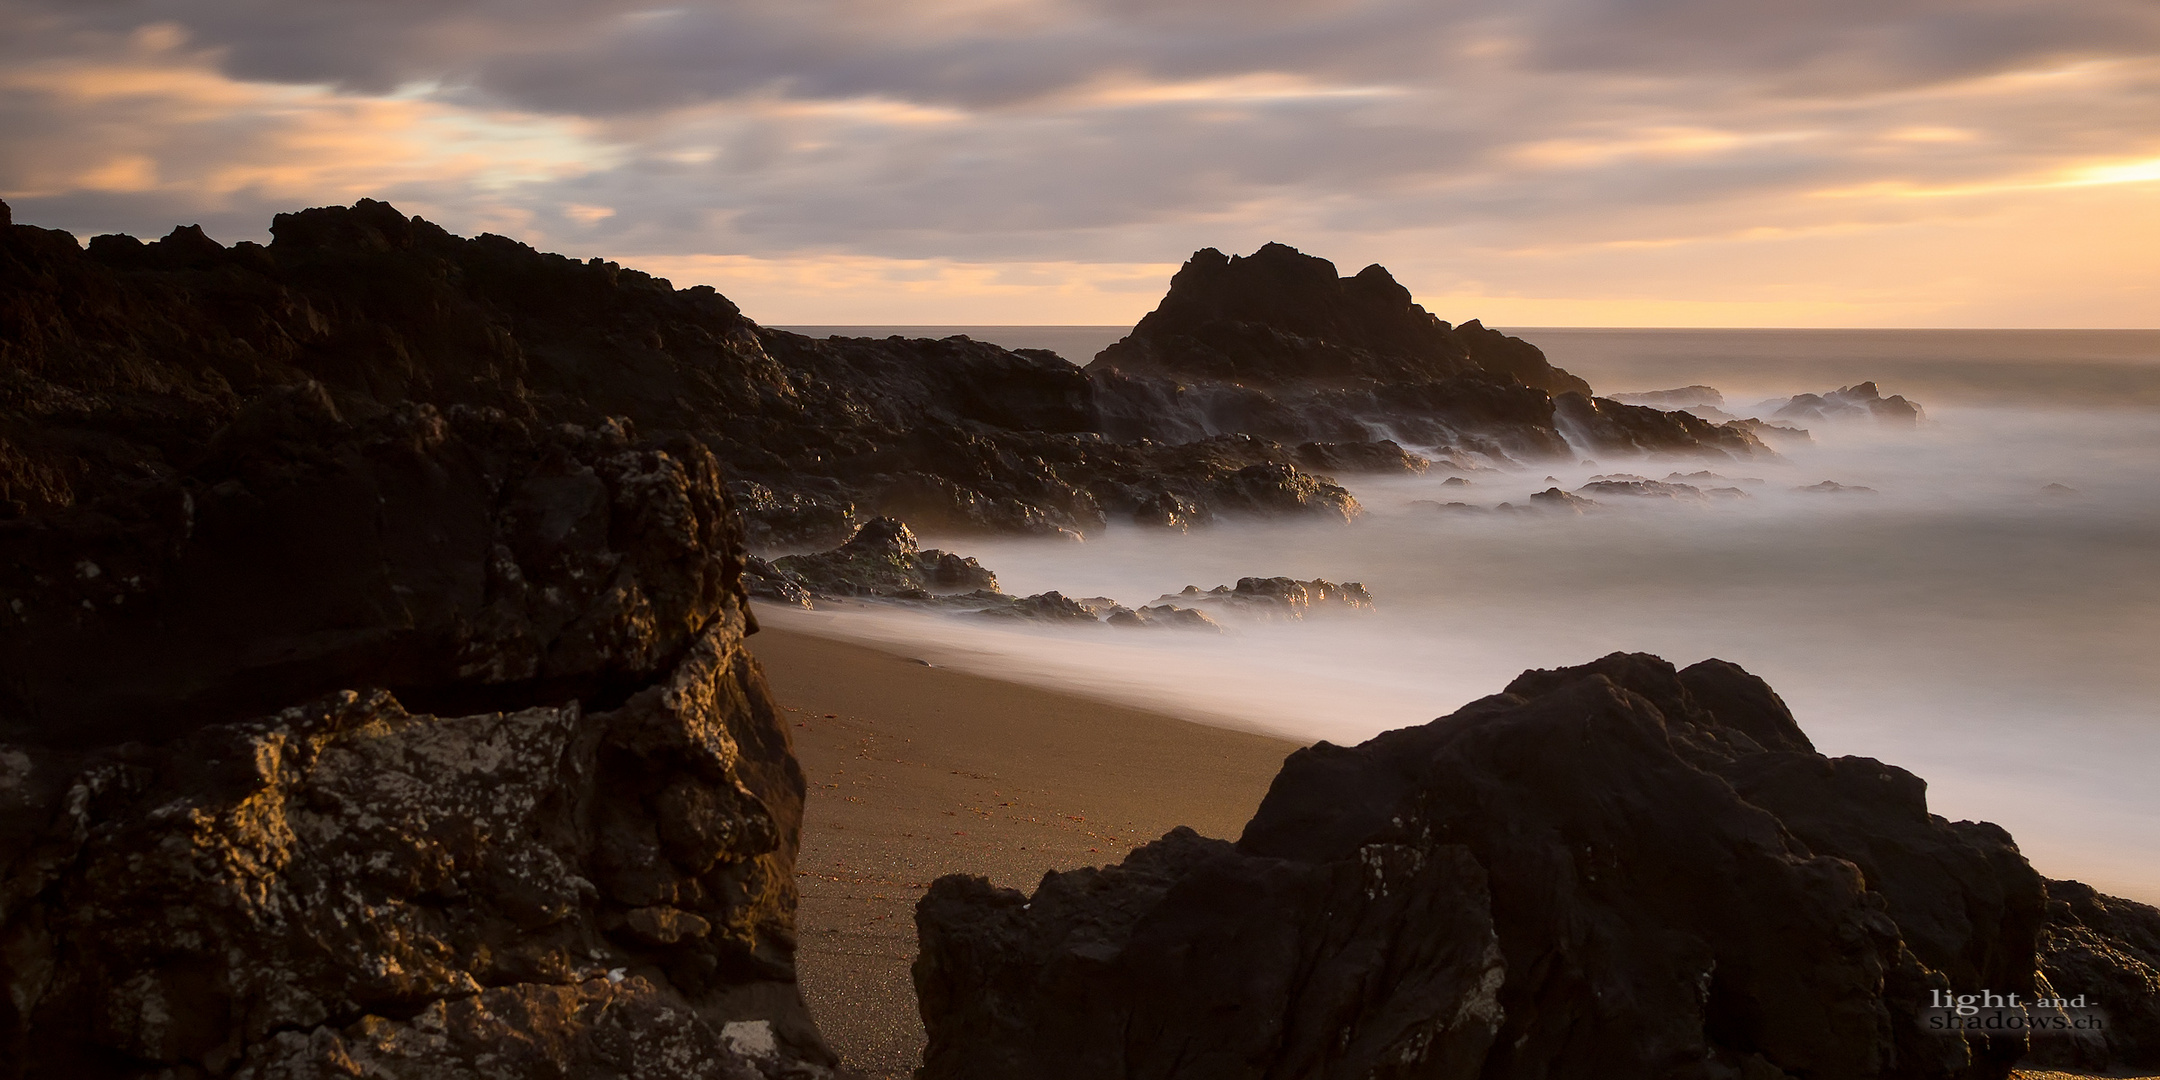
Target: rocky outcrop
x=1611 y=427
x=1276 y=345
x=464 y=560
x=1279 y=315
x=1619 y=869
x=169 y=340
x=385 y=723
x=348 y=888
x=2107 y=950
x=883 y=558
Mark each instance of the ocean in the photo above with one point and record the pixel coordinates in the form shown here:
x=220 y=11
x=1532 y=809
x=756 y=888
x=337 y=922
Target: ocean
x=1963 y=619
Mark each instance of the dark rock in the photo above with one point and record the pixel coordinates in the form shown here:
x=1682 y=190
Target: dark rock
x=464 y=560
x=1384 y=456
x=1613 y=427
x=124 y=357
x=1195 y=959
x=2108 y=950
x=1832 y=487
x=765 y=581
x=1455 y=481
x=1678 y=886
x=1280 y=315
x=338 y=881
x=2060 y=490
x=1276 y=597
x=884 y=559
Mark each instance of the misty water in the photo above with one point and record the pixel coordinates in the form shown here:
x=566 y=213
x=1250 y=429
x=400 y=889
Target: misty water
x=1962 y=621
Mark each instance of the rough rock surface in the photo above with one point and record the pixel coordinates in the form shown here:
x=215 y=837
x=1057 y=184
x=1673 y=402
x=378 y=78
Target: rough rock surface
x=2107 y=949
x=1279 y=315
x=1618 y=869
x=347 y=880
x=883 y=558
x=460 y=559
x=1277 y=345
x=362 y=710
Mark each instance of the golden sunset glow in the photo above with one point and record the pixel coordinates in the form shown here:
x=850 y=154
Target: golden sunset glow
x=1019 y=161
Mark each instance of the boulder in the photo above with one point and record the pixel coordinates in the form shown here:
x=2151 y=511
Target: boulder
x=1651 y=868
x=348 y=885
x=882 y=559
x=2107 y=950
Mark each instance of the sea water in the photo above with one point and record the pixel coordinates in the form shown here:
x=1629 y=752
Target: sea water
x=1963 y=619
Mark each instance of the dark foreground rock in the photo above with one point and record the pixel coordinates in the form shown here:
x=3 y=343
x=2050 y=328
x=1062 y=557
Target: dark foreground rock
x=347 y=888
x=1618 y=869
x=2107 y=949
x=345 y=734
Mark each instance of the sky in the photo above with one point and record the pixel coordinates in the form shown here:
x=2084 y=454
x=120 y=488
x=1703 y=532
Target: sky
x=1978 y=163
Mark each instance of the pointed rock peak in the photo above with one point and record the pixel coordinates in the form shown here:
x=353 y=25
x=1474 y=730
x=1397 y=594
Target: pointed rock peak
x=7 y=215
x=188 y=241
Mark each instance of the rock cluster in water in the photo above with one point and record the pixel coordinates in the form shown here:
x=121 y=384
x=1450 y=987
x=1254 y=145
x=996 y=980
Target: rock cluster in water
x=1619 y=869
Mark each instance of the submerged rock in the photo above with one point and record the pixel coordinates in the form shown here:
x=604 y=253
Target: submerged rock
x=1832 y=487
x=1863 y=401
x=1685 y=397
x=1643 y=489
x=1553 y=498
x=1275 y=597
x=1164 y=616
x=1618 y=869
x=1048 y=607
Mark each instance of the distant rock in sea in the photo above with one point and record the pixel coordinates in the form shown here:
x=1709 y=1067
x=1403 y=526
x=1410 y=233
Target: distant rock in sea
x=1685 y=397
x=1862 y=401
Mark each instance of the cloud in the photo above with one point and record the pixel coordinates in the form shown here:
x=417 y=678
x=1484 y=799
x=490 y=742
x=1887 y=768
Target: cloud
x=1063 y=133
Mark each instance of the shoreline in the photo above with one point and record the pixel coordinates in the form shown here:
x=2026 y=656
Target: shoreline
x=916 y=771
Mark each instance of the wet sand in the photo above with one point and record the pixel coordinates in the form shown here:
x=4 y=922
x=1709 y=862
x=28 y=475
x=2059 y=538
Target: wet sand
x=918 y=771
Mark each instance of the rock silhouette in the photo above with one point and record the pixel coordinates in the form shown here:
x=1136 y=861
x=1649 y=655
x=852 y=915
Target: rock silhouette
x=1618 y=869
x=361 y=711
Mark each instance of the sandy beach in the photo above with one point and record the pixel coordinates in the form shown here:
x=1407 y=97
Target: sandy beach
x=918 y=771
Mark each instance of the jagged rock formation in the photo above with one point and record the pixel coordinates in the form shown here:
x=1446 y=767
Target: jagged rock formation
x=2107 y=949
x=1618 y=869
x=174 y=337
x=346 y=732
x=1280 y=316
x=1275 y=344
